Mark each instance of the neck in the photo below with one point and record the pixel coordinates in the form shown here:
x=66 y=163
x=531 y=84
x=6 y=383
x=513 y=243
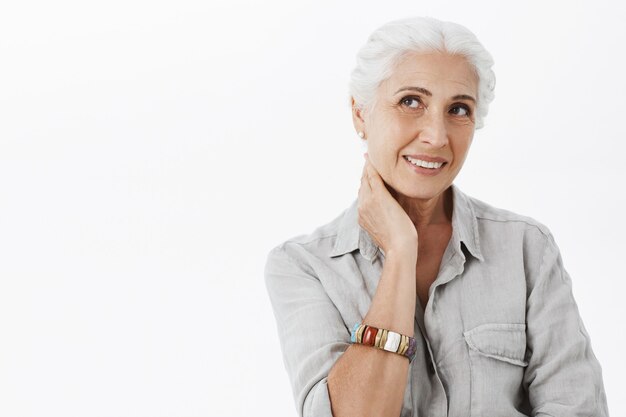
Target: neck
x=427 y=212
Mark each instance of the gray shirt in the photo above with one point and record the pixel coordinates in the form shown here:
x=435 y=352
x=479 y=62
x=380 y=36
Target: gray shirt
x=501 y=334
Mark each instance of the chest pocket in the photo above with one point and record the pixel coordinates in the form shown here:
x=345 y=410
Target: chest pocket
x=497 y=363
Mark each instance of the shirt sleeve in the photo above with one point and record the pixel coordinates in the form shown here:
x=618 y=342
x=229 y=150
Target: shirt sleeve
x=563 y=376
x=311 y=330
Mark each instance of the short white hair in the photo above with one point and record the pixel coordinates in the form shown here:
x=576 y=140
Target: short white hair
x=391 y=42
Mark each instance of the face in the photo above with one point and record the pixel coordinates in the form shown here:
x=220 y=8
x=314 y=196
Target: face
x=425 y=110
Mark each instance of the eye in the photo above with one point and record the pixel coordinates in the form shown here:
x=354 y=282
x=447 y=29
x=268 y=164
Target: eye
x=411 y=102
x=460 y=110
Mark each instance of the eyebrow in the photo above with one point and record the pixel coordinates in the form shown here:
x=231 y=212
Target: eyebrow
x=429 y=94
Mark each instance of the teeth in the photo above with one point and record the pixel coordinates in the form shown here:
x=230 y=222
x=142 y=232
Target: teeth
x=424 y=164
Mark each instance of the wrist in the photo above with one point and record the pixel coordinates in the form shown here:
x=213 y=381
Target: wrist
x=404 y=252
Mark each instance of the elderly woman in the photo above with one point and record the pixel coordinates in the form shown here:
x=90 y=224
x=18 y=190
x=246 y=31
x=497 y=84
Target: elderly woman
x=419 y=300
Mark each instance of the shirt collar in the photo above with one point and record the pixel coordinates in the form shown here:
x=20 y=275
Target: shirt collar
x=351 y=236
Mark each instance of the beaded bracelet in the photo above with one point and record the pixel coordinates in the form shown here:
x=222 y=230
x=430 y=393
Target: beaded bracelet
x=384 y=339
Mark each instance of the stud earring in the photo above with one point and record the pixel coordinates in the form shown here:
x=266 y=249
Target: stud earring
x=361 y=135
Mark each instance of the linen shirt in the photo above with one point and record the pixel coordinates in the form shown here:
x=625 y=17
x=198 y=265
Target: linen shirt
x=500 y=335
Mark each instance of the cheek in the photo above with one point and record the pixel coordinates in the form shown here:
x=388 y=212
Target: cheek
x=405 y=124
x=398 y=133
x=460 y=150
x=461 y=137
x=382 y=155
x=383 y=129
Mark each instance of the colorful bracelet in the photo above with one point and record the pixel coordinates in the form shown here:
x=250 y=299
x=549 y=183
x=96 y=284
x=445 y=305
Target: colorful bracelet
x=384 y=339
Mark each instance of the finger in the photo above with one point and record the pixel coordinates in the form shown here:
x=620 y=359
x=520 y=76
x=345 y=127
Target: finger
x=365 y=184
x=365 y=177
x=369 y=167
x=374 y=179
x=363 y=195
x=370 y=171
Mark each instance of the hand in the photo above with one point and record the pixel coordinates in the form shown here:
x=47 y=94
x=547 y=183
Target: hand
x=381 y=215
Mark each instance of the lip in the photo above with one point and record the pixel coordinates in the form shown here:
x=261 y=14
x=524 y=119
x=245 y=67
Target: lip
x=427 y=158
x=425 y=171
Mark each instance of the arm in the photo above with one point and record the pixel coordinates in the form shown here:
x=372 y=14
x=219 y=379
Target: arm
x=563 y=376
x=319 y=359
x=311 y=331
x=366 y=380
x=322 y=365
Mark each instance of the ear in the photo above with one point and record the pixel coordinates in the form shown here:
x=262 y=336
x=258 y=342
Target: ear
x=357 y=118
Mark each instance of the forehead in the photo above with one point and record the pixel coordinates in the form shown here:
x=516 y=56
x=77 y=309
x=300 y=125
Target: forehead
x=439 y=71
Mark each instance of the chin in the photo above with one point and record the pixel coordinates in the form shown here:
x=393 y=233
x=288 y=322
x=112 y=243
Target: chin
x=420 y=193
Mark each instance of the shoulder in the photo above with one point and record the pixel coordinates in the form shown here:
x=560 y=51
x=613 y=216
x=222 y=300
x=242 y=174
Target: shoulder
x=317 y=243
x=490 y=215
x=504 y=231
x=515 y=241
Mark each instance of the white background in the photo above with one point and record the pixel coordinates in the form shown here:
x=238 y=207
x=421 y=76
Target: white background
x=152 y=153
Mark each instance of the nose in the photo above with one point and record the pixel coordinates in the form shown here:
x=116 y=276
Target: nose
x=433 y=129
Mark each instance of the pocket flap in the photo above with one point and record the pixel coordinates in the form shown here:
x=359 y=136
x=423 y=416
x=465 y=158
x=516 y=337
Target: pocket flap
x=502 y=341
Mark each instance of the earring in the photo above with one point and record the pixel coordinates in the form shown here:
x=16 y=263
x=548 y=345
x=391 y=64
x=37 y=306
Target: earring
x=361 y=135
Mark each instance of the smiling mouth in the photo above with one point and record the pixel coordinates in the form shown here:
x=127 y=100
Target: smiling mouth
x=424 y=164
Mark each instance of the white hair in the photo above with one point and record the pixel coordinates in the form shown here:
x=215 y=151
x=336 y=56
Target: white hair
x=391 y=42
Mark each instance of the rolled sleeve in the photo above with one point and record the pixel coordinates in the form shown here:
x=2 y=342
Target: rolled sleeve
x=563 y=376
x=311 y=330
